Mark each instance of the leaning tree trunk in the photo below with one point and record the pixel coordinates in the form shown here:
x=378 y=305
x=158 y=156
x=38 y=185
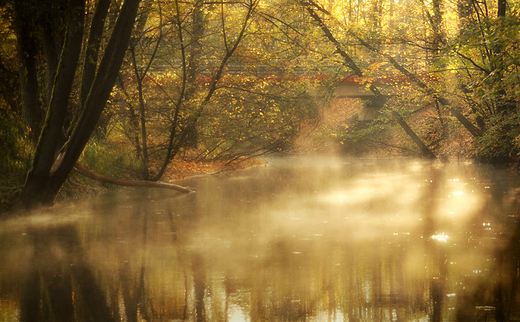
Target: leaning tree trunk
x=36 y=186
x=349 y=62
x=475 y=131
x=52 y=164
x=424 y=149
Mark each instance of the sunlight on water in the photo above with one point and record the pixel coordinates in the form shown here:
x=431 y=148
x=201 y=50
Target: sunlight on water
x=236 y=314
x=440 y=237
x=316 y=239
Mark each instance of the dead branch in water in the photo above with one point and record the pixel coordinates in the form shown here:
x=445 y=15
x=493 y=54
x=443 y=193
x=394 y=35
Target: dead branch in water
x=129 y=183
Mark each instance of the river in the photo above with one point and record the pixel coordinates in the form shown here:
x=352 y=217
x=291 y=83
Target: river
x=300 y=239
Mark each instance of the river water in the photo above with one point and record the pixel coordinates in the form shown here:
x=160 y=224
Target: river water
x=303 y=238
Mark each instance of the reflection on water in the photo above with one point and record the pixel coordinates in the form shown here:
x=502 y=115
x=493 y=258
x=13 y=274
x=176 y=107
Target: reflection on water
x=315 y=239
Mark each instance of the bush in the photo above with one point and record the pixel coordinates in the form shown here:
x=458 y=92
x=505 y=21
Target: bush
x=500 y=143
x=110 y=158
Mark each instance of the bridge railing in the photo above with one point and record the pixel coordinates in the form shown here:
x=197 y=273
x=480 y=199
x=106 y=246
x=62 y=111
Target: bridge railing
x=299 y=67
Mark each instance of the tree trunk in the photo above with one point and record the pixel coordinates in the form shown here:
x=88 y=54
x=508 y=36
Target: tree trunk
x=57 y=110
x=93 y=45
x=424 y=149
x=501 y=8
x=32 y=111
x=142 y=118
x=49 y=172
x=197 y=31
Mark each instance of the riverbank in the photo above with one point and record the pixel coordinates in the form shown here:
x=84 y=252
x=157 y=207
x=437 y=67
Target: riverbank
x=337 y=131
x=80 y=187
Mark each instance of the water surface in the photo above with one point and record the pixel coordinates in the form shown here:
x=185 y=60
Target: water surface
x=314 y=239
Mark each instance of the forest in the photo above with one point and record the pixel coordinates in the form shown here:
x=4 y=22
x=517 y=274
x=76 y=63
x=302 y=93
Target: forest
x=137 y=89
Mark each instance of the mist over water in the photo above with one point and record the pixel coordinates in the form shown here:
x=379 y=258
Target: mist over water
x=304 y=238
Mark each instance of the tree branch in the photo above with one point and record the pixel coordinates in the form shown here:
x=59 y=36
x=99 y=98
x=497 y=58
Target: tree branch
x=486 y=71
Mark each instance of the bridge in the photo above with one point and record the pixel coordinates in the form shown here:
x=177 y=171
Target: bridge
x=354 y=87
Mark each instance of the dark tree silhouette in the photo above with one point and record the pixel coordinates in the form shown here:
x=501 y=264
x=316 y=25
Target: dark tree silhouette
x=59 y=27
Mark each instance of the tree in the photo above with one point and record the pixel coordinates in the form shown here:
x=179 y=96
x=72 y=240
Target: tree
x=180 y=100
x=150 y=40
x=379 y=97
x=486 y=56
x=69 y=121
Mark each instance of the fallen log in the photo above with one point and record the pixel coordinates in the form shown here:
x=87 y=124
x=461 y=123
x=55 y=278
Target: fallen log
x=129 y=183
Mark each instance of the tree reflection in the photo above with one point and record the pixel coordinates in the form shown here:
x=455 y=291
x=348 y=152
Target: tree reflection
x=60 y=285
x=229 y=255
x=429 y=202
x=199 y=284
x=498 y=289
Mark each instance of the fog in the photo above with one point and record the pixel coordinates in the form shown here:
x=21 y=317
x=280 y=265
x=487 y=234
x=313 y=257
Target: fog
x=301 y=238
